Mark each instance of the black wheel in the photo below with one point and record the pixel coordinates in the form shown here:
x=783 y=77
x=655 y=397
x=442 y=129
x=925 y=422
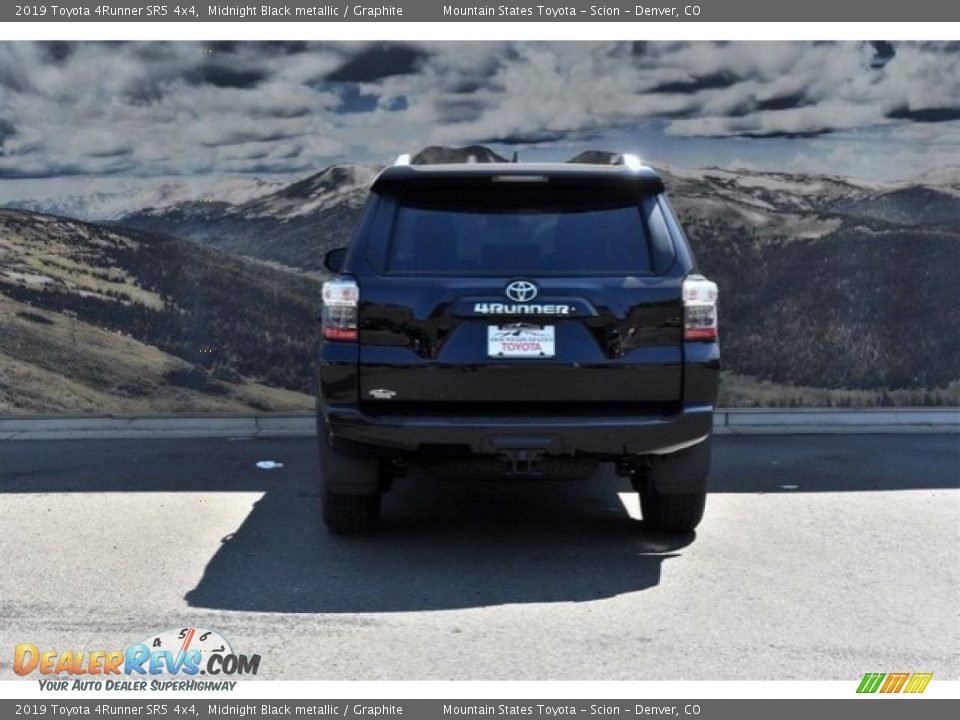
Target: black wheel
x=674 y=513
x=350 y=514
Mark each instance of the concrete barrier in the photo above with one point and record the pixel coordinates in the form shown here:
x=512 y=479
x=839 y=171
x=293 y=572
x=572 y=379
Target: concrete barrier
x=754 y=421
x=727 y=421
x=80 y=427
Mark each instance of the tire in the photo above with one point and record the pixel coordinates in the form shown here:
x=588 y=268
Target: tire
x=351 y=514
x=673 y=513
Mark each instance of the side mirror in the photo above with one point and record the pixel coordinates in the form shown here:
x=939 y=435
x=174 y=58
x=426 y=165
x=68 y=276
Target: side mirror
x=333 y=260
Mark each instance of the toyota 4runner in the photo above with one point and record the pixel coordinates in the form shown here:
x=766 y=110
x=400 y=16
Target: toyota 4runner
x=527 y=320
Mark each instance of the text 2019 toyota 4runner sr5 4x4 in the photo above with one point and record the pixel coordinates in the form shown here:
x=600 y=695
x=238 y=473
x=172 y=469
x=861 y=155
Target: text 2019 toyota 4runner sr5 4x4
x=521 y=319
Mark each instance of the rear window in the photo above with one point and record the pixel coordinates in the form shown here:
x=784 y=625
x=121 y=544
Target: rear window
x=521 y=231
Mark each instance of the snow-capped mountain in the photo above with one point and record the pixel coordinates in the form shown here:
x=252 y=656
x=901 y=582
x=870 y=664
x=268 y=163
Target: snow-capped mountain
x=294 y=225
x=945 y=175
x=108 y=205
x=803 y=205
x=337 y=184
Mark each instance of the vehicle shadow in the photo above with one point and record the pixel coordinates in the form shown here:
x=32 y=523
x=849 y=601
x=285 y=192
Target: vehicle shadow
x=442 y=546
x=450 y=544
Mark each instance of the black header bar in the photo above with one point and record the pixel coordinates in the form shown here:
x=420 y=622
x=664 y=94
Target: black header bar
x=308 y=11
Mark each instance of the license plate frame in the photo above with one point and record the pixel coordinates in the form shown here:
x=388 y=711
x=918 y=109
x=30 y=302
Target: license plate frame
x=521 y=340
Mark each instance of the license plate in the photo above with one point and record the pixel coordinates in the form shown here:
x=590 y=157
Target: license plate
x=520 y=340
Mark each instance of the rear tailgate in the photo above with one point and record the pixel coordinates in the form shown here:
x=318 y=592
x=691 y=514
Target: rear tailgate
x=428 y=340
x=593 y=261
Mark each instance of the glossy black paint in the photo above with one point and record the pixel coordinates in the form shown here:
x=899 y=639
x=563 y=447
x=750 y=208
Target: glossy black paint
x=399 y=178
x=605 y=437
x=622 y=381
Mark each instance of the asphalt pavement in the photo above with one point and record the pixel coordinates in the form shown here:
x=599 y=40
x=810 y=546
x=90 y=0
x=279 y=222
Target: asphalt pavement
x=820 y=557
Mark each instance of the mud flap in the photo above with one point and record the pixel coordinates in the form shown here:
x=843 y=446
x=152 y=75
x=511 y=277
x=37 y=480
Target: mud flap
x=347 y=473
x=682 y=472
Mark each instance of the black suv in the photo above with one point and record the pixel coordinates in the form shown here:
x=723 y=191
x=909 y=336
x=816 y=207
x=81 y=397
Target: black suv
x=519 y=319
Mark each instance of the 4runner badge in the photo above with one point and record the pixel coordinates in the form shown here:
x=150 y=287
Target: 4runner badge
x=485 y=308
x=382 y=394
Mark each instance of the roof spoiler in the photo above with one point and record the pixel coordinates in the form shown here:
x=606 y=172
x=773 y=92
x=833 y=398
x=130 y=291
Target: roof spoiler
x=558 y=174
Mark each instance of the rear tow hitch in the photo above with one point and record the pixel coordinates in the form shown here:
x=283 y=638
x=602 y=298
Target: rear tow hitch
x=522 y=461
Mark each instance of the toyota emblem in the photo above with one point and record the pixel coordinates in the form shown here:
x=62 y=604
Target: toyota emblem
x=521 y=291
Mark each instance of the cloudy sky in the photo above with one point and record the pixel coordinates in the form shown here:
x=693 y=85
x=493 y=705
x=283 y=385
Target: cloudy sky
x=99 y=112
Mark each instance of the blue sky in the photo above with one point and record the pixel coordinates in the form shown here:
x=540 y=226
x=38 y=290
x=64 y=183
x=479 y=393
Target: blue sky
x=97 y=114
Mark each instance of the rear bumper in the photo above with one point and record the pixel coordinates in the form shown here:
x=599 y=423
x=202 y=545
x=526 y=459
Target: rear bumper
x=603 y=436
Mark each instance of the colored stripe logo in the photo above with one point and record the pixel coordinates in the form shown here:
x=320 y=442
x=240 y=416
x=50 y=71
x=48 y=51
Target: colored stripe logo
x=918 y=682
x=894 y=682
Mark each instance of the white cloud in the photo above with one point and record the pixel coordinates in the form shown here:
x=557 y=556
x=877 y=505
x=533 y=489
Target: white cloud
x=177 y=108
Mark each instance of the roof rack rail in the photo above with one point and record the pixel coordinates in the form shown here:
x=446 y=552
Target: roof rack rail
x=604 y=157
x=441 y=155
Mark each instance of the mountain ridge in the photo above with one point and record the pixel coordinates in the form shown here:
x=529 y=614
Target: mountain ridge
x=111 y=319
x=743 y=226
x=841 y=288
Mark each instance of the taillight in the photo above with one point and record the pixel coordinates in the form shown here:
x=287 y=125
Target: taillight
x=341 y=297
x=699 y=308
